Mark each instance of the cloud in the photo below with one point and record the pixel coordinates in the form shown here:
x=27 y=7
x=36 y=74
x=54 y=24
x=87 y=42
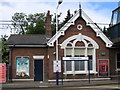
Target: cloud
x=96 y=13
x=63 y=0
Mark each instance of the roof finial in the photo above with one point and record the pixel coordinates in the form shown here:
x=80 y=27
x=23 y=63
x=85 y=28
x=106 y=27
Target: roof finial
x=80 y=10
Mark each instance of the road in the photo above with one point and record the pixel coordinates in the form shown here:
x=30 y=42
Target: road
x=102 y=87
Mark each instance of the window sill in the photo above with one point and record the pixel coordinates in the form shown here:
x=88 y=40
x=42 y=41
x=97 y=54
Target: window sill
x=91 y=72
x=118 y=69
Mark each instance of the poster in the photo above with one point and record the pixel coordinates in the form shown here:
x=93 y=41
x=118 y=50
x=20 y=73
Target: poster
x=2 y=72
x=103 y=68
x=22 y=66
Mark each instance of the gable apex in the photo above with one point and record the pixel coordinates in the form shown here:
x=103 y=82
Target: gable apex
x=96 y=29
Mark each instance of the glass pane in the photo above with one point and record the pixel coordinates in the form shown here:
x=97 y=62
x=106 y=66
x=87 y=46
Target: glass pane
x=82 y=65
x=118 y=64
x=118 y=60
x=68 y=65
x=68 y=51
x=22 y=64
x=89 y=51
x=91 y=65
x=79 y=51
x=77 y=65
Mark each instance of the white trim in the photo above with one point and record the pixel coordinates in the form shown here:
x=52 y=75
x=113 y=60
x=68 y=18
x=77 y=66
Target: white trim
x=99 y=33
x=38 y=57
x=94 y=60
x=27 y=45
x=79 y=37
x=79 y=72
x=22 y=79
x=82 y=38
x=80 y=79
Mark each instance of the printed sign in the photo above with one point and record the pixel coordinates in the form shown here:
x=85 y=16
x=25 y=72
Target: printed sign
x=2 y=72
x=56 y=66
x=103 y=68
x=22 y=64
x=75 y=58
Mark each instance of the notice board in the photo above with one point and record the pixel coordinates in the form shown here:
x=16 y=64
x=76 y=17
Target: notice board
x=57 y=66
x=103 y=68
x=2 y=72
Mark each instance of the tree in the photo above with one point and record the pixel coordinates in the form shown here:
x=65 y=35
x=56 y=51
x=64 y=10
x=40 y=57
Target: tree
x=20 y=22
x=5 y=52
x=105 y=31
x=67 y=18
x=29 y=24
x=60 y=25
x=36 y=23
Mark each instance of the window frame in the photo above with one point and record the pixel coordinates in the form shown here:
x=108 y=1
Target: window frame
x=85 y=62
x=118 y=69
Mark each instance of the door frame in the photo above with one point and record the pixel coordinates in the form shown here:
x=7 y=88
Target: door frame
x=38 y=58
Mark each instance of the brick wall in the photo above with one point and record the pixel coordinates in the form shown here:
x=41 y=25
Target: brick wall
x=101 y=53
x=30 y=52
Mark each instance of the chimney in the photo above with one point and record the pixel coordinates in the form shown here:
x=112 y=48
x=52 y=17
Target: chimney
x=48 y=25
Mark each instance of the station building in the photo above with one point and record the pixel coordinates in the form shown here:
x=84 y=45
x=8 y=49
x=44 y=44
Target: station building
x=32 y=56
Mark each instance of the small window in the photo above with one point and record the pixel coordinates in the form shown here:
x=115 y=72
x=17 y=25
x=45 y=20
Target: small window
x=118 y=60
x=79 y=27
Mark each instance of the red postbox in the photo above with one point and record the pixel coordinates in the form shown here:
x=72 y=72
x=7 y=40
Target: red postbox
x=103 y=68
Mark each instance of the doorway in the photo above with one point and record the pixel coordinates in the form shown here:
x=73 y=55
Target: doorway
x=38 y=70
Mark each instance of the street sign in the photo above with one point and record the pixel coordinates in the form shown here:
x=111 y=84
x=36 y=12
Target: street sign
x=2 y=72
x=75 y=58
x=57 y=66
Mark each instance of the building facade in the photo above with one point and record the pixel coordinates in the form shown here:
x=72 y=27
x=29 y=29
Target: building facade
x=114 y=34
x=33 y=56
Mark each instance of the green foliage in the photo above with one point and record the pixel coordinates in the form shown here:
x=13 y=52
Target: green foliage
x=5 y=52
x=29 y=24
x=105 y=31
x=67 y=18
x=60 y=25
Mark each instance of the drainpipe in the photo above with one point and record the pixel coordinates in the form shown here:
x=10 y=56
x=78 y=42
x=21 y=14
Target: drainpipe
x=10 y=67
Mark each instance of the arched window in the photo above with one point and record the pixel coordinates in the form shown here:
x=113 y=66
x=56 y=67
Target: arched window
x=80 y=46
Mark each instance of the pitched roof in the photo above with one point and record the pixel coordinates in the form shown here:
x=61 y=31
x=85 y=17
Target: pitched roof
x=27 y=40
x=95 y=28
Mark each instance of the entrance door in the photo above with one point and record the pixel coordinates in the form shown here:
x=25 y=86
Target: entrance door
x=38 y=70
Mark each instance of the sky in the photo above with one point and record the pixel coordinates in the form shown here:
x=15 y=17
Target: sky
x=100 y=11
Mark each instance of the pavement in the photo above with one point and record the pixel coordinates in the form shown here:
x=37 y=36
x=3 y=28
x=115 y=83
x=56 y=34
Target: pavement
x=73 y=83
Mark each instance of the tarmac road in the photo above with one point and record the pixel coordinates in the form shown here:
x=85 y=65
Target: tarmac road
x=101 y=87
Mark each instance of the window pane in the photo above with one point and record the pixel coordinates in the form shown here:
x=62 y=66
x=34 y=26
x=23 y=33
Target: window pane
x=91 y=65
x=118 y=60
x=89 y=51
x=79 y=51
x=68 y=65
x=82 y=67
x=68 y=51
x=79 y=65
x=22 y=64
x=118 y=64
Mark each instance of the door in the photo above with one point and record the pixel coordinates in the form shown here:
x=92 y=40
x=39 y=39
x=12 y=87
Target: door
x=38 y=70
